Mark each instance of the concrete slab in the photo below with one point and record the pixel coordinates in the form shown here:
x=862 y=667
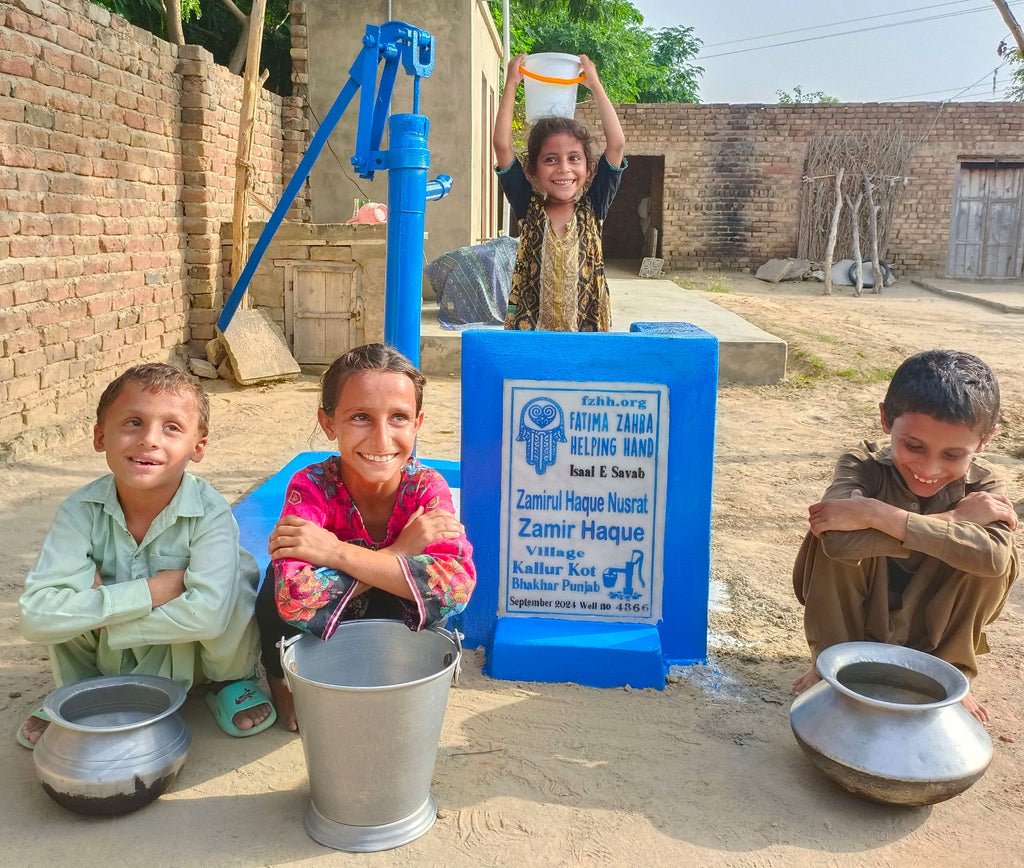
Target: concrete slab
x=1006 y=296
x=257 y=348
x=747 y=355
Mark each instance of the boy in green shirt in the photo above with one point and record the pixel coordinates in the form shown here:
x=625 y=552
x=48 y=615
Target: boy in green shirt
x=141 y=571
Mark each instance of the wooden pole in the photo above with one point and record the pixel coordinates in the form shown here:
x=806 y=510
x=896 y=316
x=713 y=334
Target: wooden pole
x=833 y=231
x=858 y=261
x=877 y=280
x=246 y=127
x=1011 y=22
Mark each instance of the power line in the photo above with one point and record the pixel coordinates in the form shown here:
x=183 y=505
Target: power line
x=929 y=93
x=951 y=89
x=973 y=96
x=859 y=30
x=979 y=81
x=834 y=23
x=959 y=93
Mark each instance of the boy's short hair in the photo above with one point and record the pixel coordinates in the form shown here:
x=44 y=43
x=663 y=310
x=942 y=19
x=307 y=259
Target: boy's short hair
x=947 y=385
x=157 y=377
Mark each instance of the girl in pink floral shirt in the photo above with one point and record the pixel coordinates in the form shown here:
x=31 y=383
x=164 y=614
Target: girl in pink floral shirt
x=369 y=532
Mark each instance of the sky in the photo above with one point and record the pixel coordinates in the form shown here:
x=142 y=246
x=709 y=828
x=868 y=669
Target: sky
x=950 y=57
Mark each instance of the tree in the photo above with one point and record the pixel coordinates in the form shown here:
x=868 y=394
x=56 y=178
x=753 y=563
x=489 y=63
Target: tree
x=1016 y=89
x=637 y=64
x=674 y=78
x=1011 y=22
x=221 y=26
x=798 y=96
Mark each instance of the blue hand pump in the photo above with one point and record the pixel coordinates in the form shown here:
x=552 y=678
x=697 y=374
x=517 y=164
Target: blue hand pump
x=407 y=158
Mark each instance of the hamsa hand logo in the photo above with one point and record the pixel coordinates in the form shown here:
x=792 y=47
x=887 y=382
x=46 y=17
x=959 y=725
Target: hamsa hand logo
x=542 y=427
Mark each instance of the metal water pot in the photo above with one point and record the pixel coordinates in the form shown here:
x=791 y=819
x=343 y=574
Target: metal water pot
x=886 y=722
x=114 y=743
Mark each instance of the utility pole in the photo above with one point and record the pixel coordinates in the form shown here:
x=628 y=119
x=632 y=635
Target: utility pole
x=246 y=130
x=1011 y=22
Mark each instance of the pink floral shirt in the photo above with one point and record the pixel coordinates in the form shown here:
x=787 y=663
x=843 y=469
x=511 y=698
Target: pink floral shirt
x=315 y=599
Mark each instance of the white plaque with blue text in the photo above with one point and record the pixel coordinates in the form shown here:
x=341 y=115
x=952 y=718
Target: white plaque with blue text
x=583 y=500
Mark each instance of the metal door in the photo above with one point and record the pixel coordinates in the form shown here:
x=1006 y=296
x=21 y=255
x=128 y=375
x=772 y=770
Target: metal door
x=324 y=317
x=986 y=237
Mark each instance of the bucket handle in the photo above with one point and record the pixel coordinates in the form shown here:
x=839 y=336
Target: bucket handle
x=284 y=643
x=456 y=637
x=458 y=660
x=549 y=80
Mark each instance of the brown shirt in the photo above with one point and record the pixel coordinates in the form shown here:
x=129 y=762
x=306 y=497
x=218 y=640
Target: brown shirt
x=983 y=551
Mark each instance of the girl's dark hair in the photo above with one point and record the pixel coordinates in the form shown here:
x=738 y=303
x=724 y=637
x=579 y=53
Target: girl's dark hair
x=369 y=357
x=947 y=385
x=157 y=377
x=551 y=126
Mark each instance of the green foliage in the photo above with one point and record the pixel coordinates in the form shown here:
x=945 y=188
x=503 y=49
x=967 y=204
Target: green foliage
x=673 y=78
x=718 y=283
x=798 y=96
x=211 y=24
x=636 y=64
x=805 y=366
x=1015 y=91
x=218 y=30
x=147 y=14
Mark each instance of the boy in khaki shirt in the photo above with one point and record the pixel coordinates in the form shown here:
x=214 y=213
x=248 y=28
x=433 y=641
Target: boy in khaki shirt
x=912 y=544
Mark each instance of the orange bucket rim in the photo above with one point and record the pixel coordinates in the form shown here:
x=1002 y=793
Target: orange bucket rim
x=549 y=80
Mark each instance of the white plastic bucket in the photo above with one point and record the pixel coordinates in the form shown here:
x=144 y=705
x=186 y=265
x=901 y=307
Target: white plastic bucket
x=550 y=80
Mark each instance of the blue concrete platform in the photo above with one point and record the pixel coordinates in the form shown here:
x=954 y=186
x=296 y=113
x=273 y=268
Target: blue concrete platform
x=599 y=650
x=597 y=655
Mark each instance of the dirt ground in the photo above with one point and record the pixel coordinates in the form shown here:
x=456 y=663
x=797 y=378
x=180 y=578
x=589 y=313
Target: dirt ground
x=706 y=772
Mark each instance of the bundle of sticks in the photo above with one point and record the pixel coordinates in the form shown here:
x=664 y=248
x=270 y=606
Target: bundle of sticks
x=869 y=169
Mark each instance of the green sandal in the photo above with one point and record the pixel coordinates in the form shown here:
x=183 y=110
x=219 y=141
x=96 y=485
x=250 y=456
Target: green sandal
x=235 y=697
x=38 y=714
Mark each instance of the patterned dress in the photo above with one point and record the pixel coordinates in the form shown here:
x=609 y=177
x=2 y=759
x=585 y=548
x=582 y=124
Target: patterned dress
x=316 y=599
x=558 y=283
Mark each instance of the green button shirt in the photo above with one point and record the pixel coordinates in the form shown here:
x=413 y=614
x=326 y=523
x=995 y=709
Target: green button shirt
x=207 y=633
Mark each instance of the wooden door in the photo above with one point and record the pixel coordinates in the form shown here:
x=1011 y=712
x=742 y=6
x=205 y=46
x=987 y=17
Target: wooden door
x=325 y=311
x=986 y=229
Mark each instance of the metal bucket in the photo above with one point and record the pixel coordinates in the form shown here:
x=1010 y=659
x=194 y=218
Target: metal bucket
x=370 y=702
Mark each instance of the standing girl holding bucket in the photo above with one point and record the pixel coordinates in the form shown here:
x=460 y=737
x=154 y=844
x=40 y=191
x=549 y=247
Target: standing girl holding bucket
x=370 y=532
x=558 y=283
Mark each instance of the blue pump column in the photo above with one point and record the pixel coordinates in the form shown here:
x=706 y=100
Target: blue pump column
x=408 y=160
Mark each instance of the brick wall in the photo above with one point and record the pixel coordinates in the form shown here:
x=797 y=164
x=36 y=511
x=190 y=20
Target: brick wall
x=733 y=173
x=117 y=156
x=301 y=124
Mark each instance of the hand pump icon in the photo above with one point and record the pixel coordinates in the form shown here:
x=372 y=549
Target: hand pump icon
x=631 y=568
